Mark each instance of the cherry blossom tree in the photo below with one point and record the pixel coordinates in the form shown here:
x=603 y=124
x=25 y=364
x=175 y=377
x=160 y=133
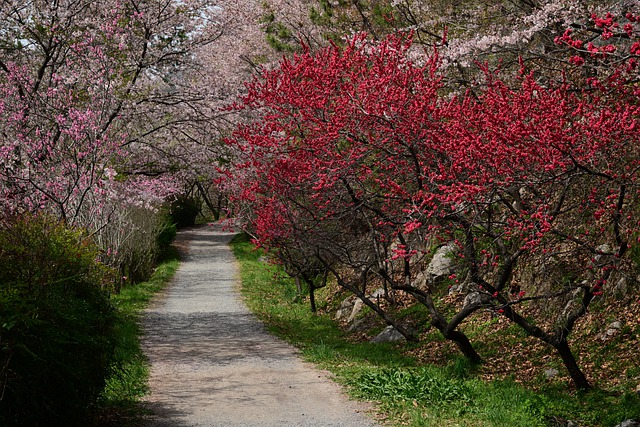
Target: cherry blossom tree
x=104 y=110
x=85 y=86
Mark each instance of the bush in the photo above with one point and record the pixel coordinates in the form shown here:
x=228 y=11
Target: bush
x=167 y=234
x=133 y=240
x=56 y=324
x=184 y=210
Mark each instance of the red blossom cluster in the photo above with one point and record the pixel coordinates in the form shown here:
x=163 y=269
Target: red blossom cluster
x=362 y=160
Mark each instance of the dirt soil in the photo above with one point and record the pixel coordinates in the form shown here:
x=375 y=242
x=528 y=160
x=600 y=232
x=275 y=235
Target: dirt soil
x=213 y=363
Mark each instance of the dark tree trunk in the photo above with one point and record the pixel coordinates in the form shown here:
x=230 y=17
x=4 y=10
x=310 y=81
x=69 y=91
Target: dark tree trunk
x=312 y=298
x=464 y=345
x=578 y=377
x=203 y=193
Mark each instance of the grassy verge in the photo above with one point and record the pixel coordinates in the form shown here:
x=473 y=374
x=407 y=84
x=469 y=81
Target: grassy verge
x=407 y=394
x=119 y=402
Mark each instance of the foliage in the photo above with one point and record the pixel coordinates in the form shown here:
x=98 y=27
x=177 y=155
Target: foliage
x=467 y=32
x=416 y=384
x=167 y=235
x=104 y=113
x=133 y=240
x=183 y=210
x=56 y=333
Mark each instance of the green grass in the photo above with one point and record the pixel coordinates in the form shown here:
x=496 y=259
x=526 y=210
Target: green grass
x=119 y=401
x=407 y=394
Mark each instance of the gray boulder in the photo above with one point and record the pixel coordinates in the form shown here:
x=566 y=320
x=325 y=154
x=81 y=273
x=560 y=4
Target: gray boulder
x=550 y=373
x=389 y=334
x=441 y=264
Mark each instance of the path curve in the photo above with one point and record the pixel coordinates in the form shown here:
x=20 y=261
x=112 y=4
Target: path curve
x=213 y=363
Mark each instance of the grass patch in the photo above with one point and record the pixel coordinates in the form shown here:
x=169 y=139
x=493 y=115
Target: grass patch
x=451 y=394
x=119 y=401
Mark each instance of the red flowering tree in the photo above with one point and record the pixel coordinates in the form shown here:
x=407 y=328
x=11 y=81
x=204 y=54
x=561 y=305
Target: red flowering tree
x=361 y=160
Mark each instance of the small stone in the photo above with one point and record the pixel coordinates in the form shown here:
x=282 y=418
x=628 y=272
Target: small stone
x=345 y=308
x=629 y=423
x=615 y=325
x=421 y=281
x=622 y=286
x=550 y=373
x=612 y=330
x=358 y=325
x=378 y=293
x=357 y=308
x=606 y=249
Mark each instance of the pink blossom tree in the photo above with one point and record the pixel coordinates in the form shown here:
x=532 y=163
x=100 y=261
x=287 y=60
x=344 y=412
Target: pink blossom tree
x=103 y=109
x=82 y=83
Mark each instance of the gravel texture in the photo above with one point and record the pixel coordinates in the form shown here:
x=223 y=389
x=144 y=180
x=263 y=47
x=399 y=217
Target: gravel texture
x=213 y=363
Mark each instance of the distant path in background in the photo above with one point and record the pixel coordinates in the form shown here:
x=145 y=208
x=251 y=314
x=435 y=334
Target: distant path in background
x=213 y=363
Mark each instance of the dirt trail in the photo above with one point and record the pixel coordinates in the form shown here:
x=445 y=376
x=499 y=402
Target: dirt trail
x=213 y=364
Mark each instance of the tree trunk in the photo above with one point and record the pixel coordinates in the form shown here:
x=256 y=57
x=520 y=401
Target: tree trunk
x=298 y=286
x=203 y=193
x=312 y=298
x=464 y=345
x=578 y=377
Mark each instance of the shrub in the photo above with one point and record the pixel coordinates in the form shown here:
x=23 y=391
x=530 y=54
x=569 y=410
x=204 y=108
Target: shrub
x=167 y=234
x=133 y=240
x=184 y=210
x=56 y=323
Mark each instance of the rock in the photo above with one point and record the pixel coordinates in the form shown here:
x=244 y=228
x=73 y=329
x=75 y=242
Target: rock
x=345 y=309
x=357 y=308
x=611 y=331
x=358 y=325
x=622 y=287
x=472 y=298
x=550 y=373
x=574 y=302
x=602 y=248
x=629 y=423
x=378 y=293
x=355 y=305
x=615 y=325
x=421 y=281
x=572 y=424
x=389 y=334
x=441 y=264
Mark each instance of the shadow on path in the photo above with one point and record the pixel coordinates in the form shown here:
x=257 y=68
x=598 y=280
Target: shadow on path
x=213 y=364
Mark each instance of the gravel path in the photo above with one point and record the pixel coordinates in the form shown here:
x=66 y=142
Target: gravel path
x=213 y=364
